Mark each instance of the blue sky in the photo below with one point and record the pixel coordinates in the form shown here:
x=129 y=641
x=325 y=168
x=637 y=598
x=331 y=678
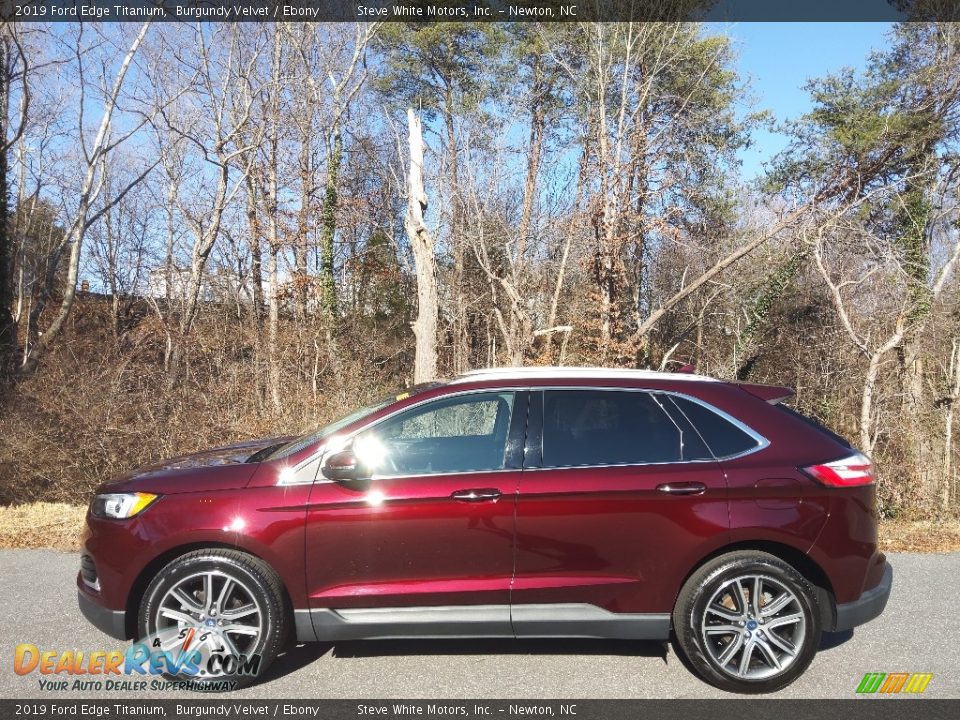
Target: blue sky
x=779 y=58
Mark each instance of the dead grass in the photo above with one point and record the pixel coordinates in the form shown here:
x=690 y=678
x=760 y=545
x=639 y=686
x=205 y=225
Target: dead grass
x=923 y=536
x=58 y=526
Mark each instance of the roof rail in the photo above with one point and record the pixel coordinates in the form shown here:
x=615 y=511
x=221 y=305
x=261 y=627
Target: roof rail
x=506 y=373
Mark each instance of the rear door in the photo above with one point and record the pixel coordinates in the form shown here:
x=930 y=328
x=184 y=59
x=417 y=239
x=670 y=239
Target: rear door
x=617 y=497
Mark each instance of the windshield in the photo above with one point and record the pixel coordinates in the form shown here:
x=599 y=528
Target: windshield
x=298 y=444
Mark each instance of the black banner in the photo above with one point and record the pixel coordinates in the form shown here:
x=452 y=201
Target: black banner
x=477 y=10
x=863 y=709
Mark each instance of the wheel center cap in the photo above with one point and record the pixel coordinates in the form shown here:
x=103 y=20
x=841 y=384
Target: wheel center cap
x=210 y=622
x=752 y=625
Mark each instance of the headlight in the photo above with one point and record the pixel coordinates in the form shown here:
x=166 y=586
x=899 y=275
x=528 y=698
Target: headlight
x=120 y=506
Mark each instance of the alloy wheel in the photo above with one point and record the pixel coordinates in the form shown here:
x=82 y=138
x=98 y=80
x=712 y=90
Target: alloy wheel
x=223 y=612
x=753 y=627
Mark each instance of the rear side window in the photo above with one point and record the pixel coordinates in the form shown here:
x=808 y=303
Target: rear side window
x=722 y=437
x=694 y=448
x=606 y=427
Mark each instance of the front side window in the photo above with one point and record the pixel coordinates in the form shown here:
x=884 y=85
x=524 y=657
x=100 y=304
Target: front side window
x=607 y=427
x=460 y=434
x=294 y=446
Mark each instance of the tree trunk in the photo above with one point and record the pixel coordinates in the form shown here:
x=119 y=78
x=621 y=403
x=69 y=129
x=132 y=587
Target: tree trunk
x=329 y=220
x=534 y=153
x=461 y=344
x=45 y=341
x=301 y=254
x=606 y=284
x=917 y=434
x=168 y=265
x=273 y=239
x=520 y=328
x=8 y=328
x=256 y=255
x=866 y=403
x=421 y=242
x=273 y=326
x=875 y=359
x=947 y=481
x=565 y=253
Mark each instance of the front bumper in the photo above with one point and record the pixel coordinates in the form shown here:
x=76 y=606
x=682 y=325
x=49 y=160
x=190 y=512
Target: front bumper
x=112 y=622
x=868 y=606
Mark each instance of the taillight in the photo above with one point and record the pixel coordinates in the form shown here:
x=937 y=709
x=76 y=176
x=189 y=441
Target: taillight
x=845 y=472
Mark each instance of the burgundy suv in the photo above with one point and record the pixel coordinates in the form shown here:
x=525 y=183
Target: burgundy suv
x=527 y=503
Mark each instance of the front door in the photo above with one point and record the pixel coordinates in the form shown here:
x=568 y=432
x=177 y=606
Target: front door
x=432 y=531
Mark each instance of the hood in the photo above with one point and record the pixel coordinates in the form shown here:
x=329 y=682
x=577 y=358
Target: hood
x=225 y=455
x=218 y=468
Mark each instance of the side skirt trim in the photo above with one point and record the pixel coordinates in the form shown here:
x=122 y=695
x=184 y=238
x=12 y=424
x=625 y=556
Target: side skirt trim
x=559 y=620
x=581 y=620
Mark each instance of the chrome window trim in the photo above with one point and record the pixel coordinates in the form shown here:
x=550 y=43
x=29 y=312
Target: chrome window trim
x=323 y=480
x=762 y=442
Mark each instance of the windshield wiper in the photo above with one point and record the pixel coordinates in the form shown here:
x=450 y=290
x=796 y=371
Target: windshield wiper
x=264 y=452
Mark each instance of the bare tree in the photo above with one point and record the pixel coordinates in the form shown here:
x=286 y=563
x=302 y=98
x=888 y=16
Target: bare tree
x=14 y=70
x=338 y=83
x=96 y=155
x=875 y=350
x=421 y=242
x=227 y=93
x=118 y=247
x=949 y=402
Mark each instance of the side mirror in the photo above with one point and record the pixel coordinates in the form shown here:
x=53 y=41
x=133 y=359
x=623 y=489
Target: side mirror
x=343 y=466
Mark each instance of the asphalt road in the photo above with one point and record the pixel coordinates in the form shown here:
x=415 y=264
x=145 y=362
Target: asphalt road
x=919 y=632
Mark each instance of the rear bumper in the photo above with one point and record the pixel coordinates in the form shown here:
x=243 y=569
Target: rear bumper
x=868 y=606
x=112 y=622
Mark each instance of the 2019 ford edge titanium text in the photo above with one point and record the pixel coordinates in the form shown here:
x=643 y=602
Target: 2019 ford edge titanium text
x=527 y=503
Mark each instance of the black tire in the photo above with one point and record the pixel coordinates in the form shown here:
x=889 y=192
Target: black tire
x=704 y=638
x=257 y=582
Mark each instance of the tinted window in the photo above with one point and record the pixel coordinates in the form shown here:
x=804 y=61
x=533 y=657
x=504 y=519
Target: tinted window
x=605 y=427
x=295 y=446
x=694 y=448
x=460 y=434
x=722 y=436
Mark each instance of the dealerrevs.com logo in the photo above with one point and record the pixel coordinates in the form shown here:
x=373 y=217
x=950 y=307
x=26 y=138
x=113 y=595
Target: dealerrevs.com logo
x=894 y=683
x=193 y=664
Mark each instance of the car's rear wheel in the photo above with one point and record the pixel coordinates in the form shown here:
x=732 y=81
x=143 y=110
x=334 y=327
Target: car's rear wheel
x=218 y=615
x=747 y=622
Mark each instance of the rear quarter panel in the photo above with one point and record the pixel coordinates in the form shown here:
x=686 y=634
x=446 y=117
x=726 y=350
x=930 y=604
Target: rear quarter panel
x=771 y=499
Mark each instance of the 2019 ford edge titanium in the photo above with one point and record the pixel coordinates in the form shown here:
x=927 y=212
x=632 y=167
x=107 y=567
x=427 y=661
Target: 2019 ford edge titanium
x=527 y=503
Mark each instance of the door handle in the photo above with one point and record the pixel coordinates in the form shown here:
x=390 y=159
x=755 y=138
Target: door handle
x=476 y=495
x=682 y=488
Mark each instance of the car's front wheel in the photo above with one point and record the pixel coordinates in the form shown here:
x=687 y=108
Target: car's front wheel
x=215 y=615
x=747 y=622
